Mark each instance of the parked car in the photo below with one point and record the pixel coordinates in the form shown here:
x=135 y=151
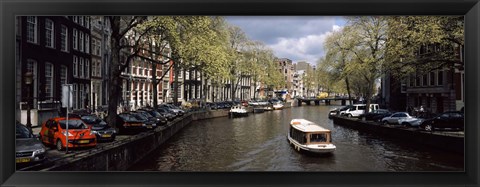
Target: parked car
x=376 y=115
x=336 y=111
x=452 y=120
x=412 y=122
x=359 y=109
x=28 y=148
x=149 y=121
x=127 y=123
x=342 y=110
x=53 y=132
x=416 y=121
x=393 y=119
x=212 y=106
x=175 y=109
x=170 y=115
x=100 y=128
x=161 y=120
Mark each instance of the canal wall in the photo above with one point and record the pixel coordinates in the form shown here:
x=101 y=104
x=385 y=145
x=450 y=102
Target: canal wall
x=121 y=154
x=438 y=140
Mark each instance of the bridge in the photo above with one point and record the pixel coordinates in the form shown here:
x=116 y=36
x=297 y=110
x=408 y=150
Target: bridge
x=327 y=101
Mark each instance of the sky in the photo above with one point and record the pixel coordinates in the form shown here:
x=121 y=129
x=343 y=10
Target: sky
x=298 y=38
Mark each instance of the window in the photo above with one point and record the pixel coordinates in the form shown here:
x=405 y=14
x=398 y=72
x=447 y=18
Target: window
x=81 y=70
x=75 y=96
x=99 y=68
x=75 y=19
x=440 y=78
x=417 y=80
x=32 y=29
x=80 y=95
x=75 y=66
x=425 y=79
x=411 y=82
x=63 y=75
x=87 y=43
x=80 y=20
x=432 y=78
x=318 y=137
x=49 y=80
x=80 y=41
x=64 y=38
x=75 y=39
x=98 y=49
x=49 y=36
x=87 y=68
x=87 y=22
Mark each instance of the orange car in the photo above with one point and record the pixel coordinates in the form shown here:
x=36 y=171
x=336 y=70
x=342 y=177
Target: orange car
x=54 y=132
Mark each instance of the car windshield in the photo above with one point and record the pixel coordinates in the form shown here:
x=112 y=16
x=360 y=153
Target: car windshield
x=155 y=113
x=127 y=117
x=22 y=132
x=91 y=119
x=73 y=124
x=139 y=116
x=145 y=114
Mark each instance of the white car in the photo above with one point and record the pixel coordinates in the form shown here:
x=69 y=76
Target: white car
x=395 y=117
x=359 y=109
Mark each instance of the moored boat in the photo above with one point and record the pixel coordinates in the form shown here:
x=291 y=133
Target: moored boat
x=238 y=111
x=258 y=110
x=277 y=106
x=308 y=136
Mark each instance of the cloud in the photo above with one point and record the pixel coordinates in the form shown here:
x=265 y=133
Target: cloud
x=298 y=38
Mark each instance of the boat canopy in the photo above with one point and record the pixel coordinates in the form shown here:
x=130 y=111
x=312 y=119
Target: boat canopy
x=307 y=126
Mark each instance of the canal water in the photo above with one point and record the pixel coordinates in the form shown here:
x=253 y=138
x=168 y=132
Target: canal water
x=258 y=143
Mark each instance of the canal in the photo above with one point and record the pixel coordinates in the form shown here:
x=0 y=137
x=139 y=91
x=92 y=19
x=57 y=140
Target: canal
x=258 y=143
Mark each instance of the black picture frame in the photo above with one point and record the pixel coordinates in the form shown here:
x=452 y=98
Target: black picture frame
x=10 y=9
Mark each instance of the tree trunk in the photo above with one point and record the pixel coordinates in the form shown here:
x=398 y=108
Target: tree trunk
x=154 y=80
x=348 y=90
x=114 y=89
x=175 y=82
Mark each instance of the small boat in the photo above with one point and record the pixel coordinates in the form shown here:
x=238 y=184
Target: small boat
x=277 y=106
x=258 y=110
x=268 y=108
x=308 y=136
x=238 y=111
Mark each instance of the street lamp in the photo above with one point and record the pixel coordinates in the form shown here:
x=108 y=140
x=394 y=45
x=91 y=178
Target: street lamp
x=28 y=78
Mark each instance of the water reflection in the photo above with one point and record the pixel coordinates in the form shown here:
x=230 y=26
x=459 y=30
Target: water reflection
x=258 y=143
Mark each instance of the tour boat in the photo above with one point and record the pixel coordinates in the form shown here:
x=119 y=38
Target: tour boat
x=238 y=110
x=308 y=136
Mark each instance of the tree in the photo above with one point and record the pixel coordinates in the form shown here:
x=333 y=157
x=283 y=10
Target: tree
x=424 y=43
x=338 y=56
x=260 y=62
x=186 y=36
x=120 y=26
x=238 y=60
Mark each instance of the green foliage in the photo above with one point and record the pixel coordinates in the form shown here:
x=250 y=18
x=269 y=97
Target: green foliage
x=423 y=43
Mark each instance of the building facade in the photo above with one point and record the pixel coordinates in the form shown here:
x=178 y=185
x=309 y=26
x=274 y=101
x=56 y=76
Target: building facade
x=285 y=66
x=55 y=50
x=438 y=90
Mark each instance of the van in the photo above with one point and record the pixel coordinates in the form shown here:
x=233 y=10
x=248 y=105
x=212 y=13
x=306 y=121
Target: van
x=358 y=109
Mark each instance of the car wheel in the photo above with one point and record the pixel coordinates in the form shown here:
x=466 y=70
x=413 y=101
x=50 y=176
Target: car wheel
x=406 y=124
x=349 y=115
x=59 y=145
x=428 y=127
x=385 y=122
